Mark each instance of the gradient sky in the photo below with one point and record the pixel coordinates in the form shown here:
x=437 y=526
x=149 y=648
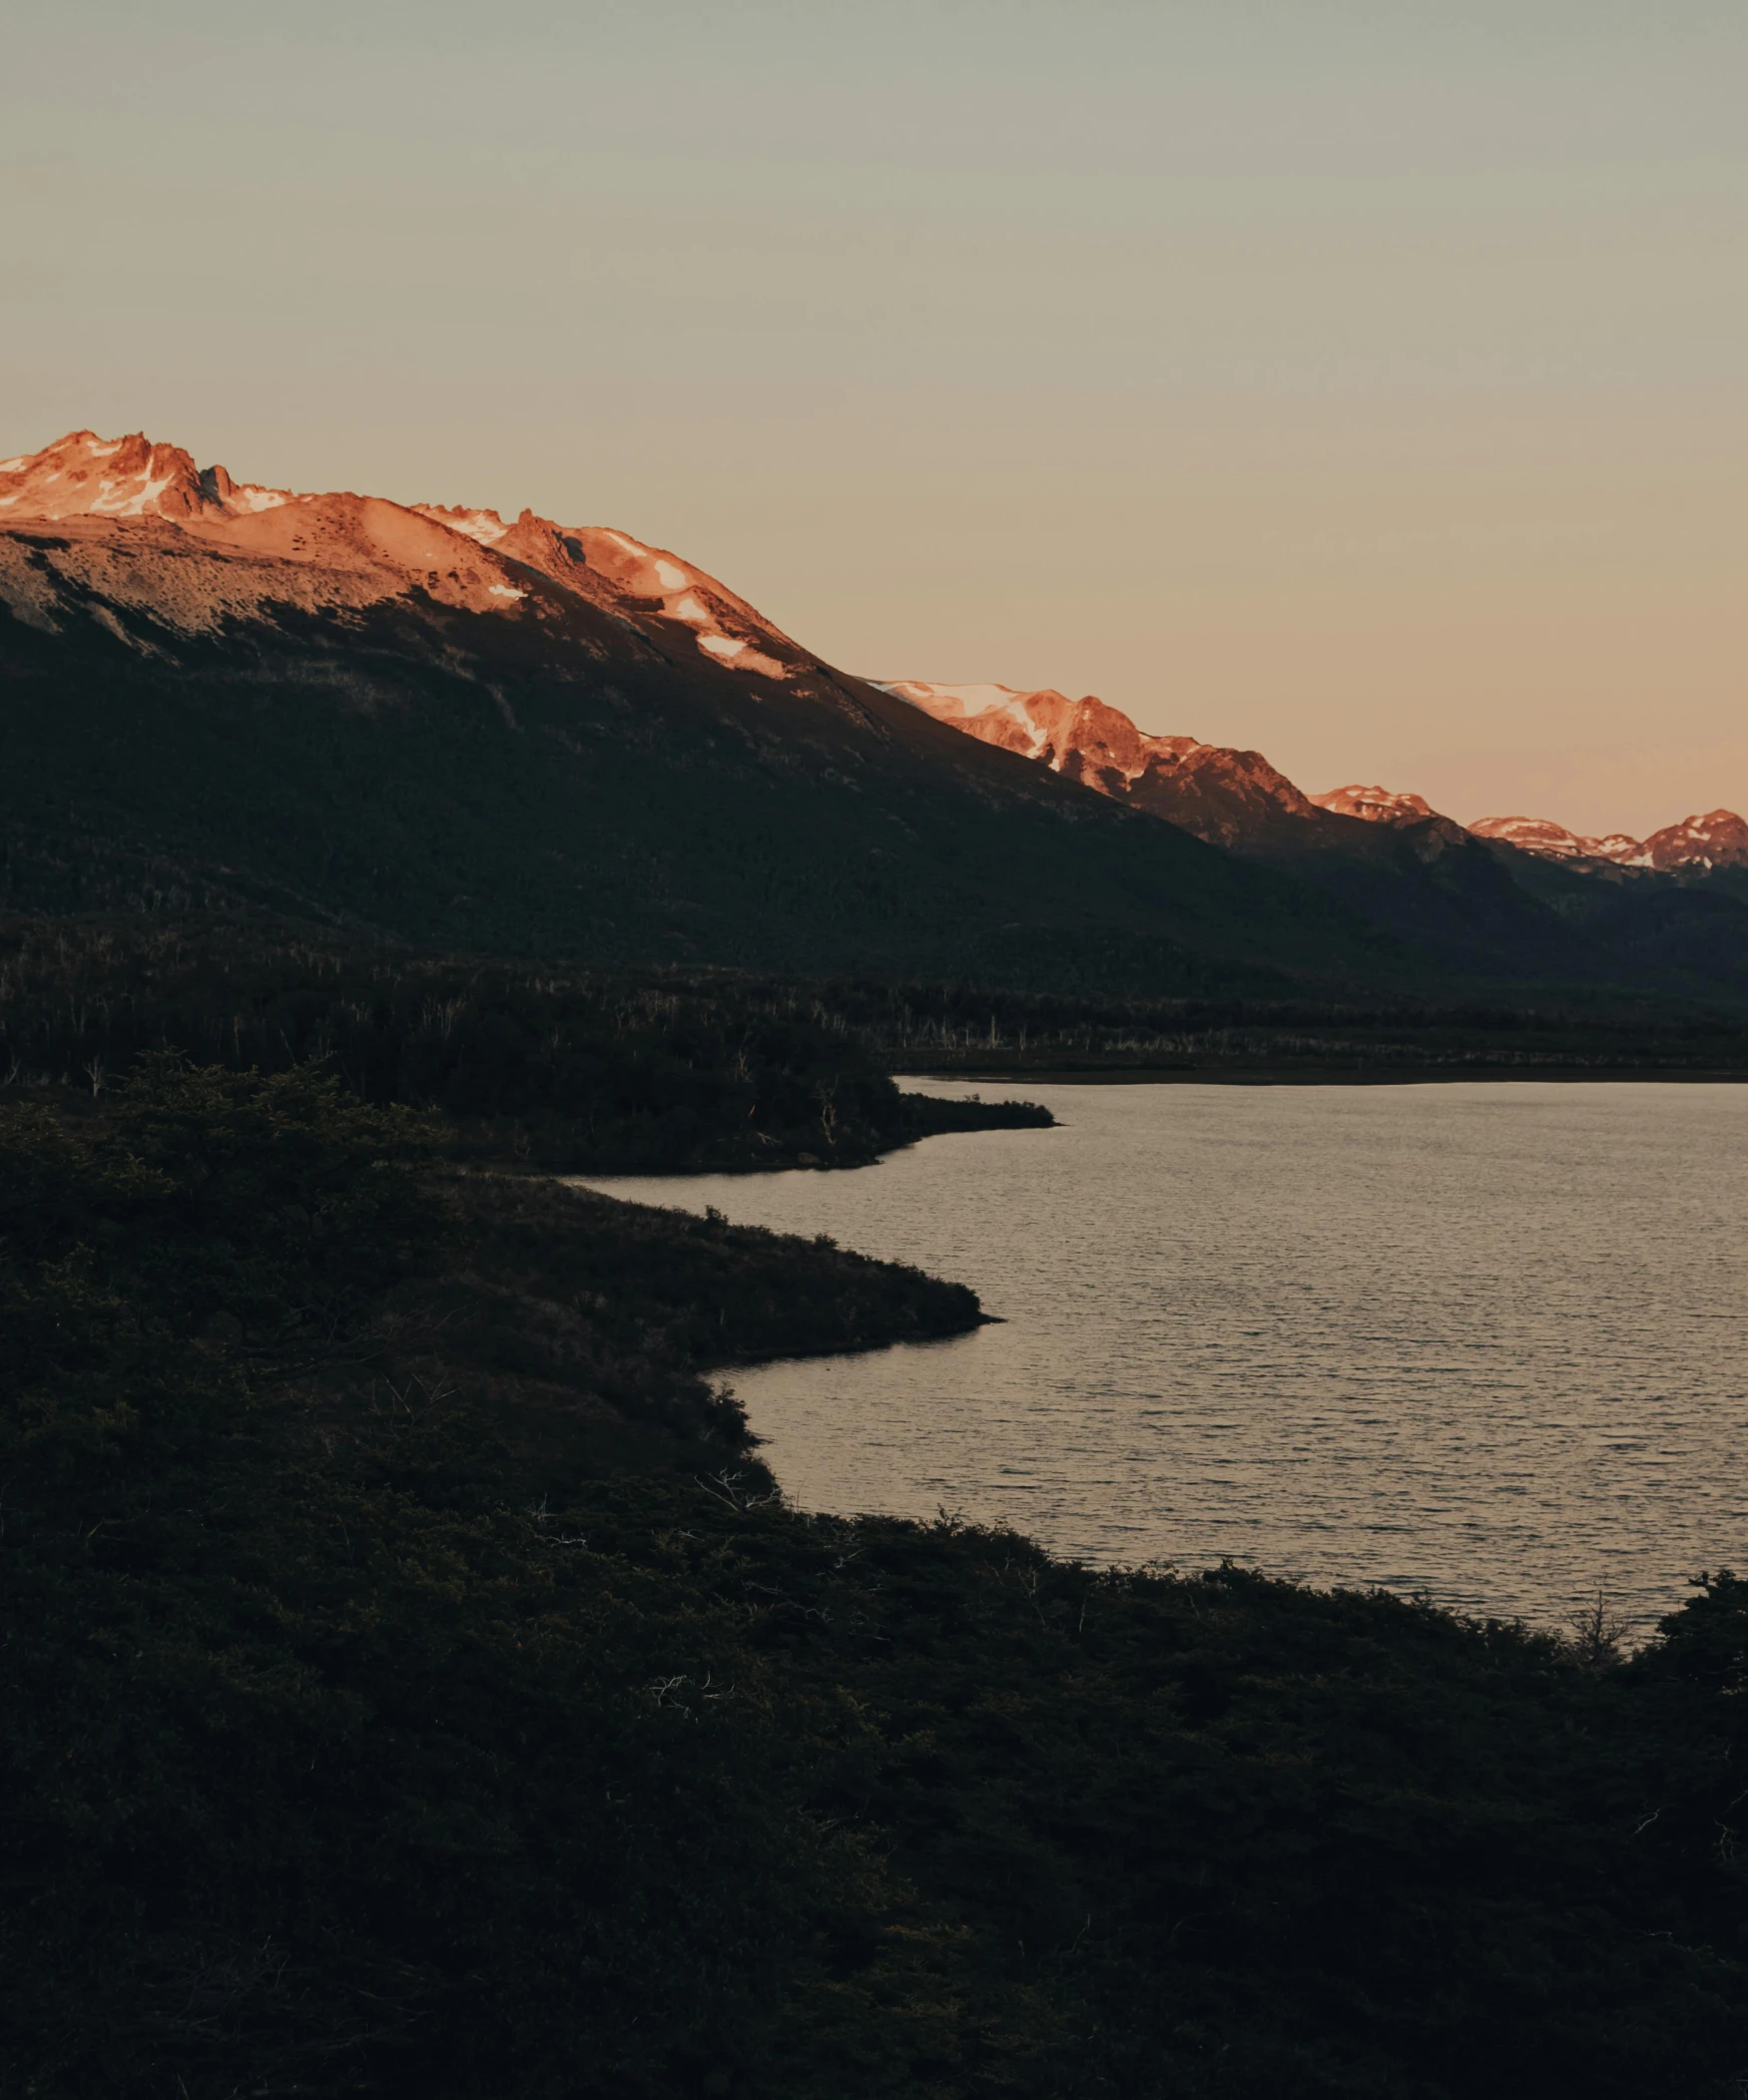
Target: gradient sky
x=1367 y=384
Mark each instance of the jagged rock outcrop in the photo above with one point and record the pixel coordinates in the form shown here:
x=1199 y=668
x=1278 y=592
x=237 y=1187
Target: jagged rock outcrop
x=1235 y=798
x=1717 y=840
x=1229 y=797
x=338 y=549
x=1376 y=806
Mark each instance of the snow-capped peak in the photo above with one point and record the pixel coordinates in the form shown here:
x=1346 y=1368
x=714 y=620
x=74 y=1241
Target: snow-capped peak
x=485 y=526
x=86 y=476
x=1377 y=806
x=645 y=582
x=1230 y=798
x=1541 y=837
x=1717 y=840
x=1083 y=738
x=83 y=475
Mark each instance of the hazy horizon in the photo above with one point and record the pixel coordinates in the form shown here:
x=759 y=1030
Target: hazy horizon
x=1360 y=385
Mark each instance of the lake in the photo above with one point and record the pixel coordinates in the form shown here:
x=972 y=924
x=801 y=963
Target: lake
x=1479 y=1342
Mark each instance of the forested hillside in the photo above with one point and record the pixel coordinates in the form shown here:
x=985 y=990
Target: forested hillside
x=560 y=1066
x=549 y=1066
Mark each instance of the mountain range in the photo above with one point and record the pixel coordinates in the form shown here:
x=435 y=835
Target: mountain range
x=516 y=736
x=1237 y=799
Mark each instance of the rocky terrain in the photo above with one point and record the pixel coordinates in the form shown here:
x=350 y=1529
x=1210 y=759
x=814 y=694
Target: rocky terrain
x=1235 y=798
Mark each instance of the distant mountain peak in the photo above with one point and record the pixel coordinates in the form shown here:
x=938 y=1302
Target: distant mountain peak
x=1237 y=799
x=1376 y=806
x=84 y=475
x=1548 y=840
x=1229 y=797
x=358 y=549
x=1083 y=739
x=1719 y=839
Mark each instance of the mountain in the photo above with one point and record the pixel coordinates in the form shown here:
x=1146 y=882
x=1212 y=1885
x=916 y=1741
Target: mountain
x=1501 y=902
x=1719 y=840
x=1548 y=840
x=531 y=737
x=335 y=551
x=1235 y=798
x=1697 y=844
x=431 y=724
x=1390 y=858
x=1376 y=806
x=1229 y=797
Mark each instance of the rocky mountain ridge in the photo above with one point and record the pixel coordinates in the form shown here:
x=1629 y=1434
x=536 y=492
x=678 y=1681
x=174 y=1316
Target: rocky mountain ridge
x=1376 y=806
x=351 y=551
x=1238 y=799
x=1229 y=797
x=1717 y=838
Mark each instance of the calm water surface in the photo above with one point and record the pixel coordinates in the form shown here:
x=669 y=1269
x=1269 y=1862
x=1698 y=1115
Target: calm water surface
x=1481 y=1341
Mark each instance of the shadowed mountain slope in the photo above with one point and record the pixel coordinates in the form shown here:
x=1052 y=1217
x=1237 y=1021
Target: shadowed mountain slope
x=529 y=738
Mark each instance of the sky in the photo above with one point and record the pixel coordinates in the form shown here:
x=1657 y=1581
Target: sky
x=1363 y=383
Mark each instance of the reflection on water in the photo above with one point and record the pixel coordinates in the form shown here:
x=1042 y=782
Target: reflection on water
x=1483 y=1341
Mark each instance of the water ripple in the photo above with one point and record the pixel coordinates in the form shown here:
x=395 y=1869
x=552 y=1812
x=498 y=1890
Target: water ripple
x=1478 y=1341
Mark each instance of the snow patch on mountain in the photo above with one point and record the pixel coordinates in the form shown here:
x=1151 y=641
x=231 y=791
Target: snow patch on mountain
x=133 y=499
x=1229 y=797
x=1376 y=806
x=638 y=582
x=1718 y=839
x=81 y=475
x=945 y=700
x=1539 y=835
x=1237 y=799
x=1071 y=736
x=483 y=526
x=280 y=548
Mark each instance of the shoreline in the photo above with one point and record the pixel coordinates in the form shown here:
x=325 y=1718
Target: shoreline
x=1324 y=1075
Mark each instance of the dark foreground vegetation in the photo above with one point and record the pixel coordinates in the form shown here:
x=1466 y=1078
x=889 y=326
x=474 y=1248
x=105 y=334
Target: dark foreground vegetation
x=566 y=1070
x=411 y=1683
